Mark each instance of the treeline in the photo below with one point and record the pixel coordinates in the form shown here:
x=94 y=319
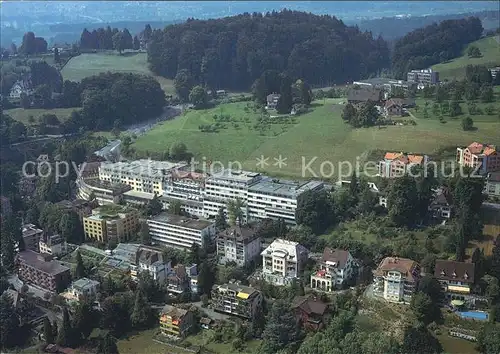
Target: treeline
x=234 y=51
x=434 y=44
x=32 y=45
x=128 y=98
x=11 y=131
x=108 y=39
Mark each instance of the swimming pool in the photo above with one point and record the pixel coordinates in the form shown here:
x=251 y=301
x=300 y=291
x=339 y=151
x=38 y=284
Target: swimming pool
x=475 y=315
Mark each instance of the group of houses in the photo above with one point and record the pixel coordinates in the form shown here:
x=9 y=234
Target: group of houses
x=380 y=91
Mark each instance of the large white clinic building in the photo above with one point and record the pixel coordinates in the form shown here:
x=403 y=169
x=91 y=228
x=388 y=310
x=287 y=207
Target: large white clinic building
x=179 y=231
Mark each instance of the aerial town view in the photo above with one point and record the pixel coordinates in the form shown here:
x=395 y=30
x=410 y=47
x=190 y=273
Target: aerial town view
x=250 y=177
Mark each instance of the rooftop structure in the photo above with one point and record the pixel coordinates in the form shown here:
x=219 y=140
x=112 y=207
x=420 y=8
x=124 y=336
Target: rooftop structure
x=143 y=167
x=43 y=263
x=283 y=188
x=235 y=176
x=454 y=271
x=282 y=261
x=183 y=221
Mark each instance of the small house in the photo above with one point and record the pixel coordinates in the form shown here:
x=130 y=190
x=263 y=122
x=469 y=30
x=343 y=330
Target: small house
x=393 y=108
x=206 y=323
x=21 y=86
x=272 y=100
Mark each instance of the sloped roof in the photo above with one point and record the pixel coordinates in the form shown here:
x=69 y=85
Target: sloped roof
x=480 y=148
x=173 y=311
x=310 y=305
x=404 y=158
x=335 y=255
x=403 y=265
x=455 y=271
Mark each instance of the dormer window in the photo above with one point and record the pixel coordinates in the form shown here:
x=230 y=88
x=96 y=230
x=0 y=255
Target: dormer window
x=454 y=274
x=443 y=273
x=466 y=276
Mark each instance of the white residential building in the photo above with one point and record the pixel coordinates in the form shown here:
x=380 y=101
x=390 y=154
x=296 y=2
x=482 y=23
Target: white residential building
x=20 y=87
x=283 y=261
x=335 y=268
x=180 y=231
x=83 y=287
x=239 y=244
x=227 y=185
x=274 y=198
x=149 y=259
x=54 y=245
x=395 y=279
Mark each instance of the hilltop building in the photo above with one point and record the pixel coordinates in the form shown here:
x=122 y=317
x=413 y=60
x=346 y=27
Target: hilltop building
x=483 y=157
x=426 y=77
x=397 y=164
x=395 y=279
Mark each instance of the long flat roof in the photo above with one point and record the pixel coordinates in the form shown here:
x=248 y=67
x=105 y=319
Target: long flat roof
x=286 y=188
x=234 y=175
x=50 y=267
x=183 y=221
x=143 y=167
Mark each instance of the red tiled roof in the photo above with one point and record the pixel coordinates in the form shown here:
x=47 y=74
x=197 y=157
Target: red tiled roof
x=478 y=148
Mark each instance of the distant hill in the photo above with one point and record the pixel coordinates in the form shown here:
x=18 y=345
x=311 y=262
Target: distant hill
x=392 y=28
x=455 y=68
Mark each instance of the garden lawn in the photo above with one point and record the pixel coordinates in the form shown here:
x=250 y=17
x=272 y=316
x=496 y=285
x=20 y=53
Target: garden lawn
x=320 y=134
x=22 y=115
x=143 y=342
x=204 y=338
x=90 y=64
x=455 y=68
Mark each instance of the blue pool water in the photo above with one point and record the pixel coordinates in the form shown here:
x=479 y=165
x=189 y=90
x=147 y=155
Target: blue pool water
x=475 y=315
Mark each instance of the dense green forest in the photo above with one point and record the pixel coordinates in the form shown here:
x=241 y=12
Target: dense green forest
x=234 y=51
x=434 y=44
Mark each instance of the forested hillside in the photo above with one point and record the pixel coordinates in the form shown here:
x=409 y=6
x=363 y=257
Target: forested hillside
x=234 y=51
x=434 y=44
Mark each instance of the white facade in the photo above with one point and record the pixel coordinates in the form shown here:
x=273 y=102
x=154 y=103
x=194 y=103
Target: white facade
x=239 y=245
x=336 y=267
x=84 y=287
x=180 y=232
x=283 y=261
x=158 y=270
x=226 y=186
x=273 y=199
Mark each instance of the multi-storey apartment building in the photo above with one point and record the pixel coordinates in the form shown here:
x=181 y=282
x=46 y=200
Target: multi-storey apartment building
x=395 y=279
x=425 y=76
x=283 y=261
x=239 y=244
x=183 y=278
x=180 y=231
x=397 y=164
x=54 y=245
x=273 y=198
x=41 y=270
x=484 y=157
x=227 y=185
x=111 y=222
x=184 y=185
x=176 y=322
x=31 y=237
x=150 y=259
x=456 y=278
x=141 y=175
x=335 y=268
x=236 y=299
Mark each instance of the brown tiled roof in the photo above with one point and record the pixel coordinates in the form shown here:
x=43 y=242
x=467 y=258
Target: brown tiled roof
x=479 y=148
x=310 y=305
x=452 y=270
x=405 y=266
x=335 y=255
x=173 y=311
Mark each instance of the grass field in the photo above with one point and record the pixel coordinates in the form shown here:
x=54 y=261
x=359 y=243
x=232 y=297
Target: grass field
x=90 y=64
x=455 y=69
x=143 y=343
x=319 y=134
x=205 y=339
x=22 y=115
